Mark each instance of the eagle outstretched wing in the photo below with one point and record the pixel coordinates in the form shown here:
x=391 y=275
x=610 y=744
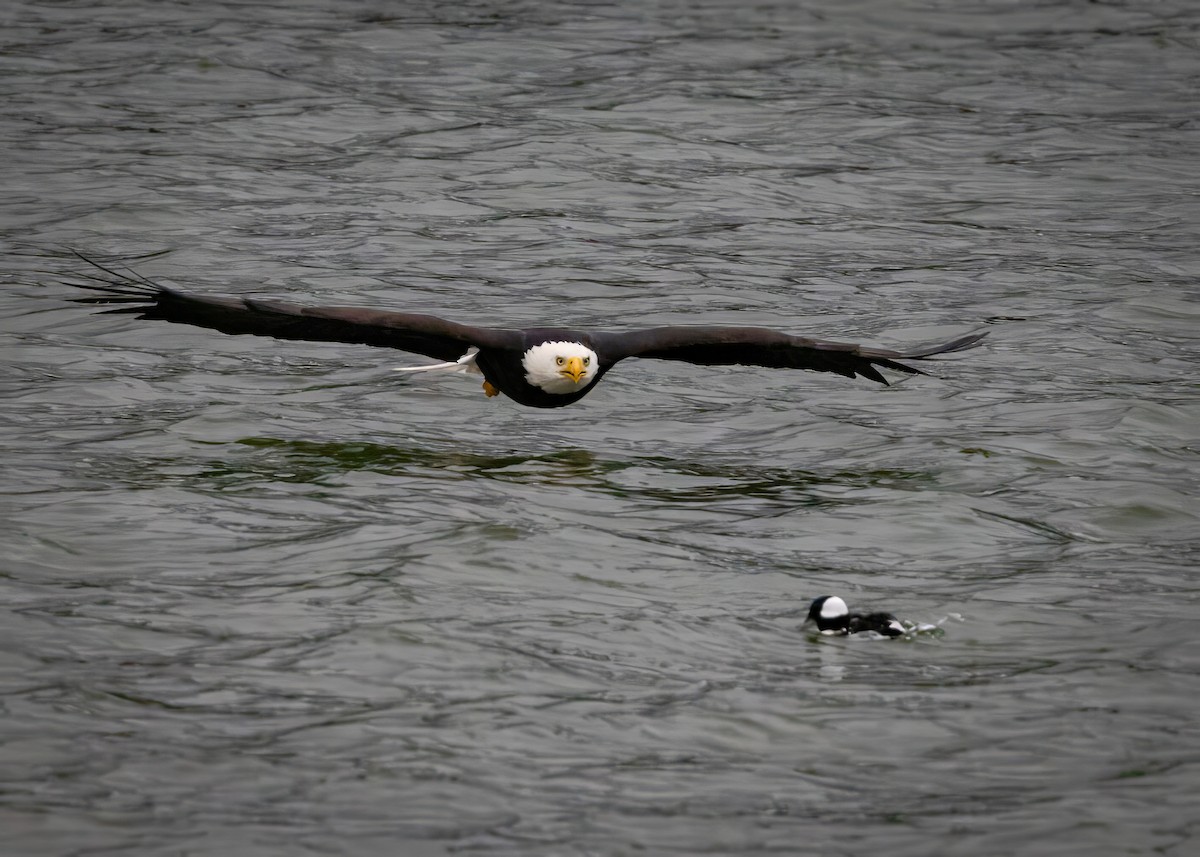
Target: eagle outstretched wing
x=757 y=346
x=421 y=334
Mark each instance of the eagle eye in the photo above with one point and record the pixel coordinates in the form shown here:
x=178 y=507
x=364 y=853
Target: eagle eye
x=560 y=360
x=587 y=361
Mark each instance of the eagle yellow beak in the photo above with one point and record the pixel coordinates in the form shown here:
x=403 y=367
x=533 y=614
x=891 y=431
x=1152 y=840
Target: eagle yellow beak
x=573 y=369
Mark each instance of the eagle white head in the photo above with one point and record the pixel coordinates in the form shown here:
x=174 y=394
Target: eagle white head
x=560 y=367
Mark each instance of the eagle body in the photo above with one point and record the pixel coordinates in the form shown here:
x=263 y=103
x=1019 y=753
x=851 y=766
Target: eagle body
x=537 y=367
x=508 y=370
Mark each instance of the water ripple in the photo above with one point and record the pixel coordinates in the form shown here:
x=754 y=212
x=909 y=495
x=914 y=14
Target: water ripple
x=263 y=596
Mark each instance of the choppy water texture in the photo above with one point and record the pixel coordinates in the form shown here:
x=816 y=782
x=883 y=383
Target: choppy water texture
x=262 y=599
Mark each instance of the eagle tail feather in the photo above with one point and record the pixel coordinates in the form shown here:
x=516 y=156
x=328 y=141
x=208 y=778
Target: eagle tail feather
x=463 y=365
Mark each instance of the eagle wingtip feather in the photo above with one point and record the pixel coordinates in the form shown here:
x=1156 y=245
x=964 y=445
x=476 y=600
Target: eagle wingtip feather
x=961 y=343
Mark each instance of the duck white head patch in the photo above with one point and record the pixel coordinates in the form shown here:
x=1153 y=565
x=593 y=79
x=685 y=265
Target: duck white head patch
x=834 y=608
x=560 y=367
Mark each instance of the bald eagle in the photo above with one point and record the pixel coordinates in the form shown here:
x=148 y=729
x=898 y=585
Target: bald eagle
x=542 y=367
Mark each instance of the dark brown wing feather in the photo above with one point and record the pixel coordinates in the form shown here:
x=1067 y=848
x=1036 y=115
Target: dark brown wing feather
x=420 y=334
x=756 y=346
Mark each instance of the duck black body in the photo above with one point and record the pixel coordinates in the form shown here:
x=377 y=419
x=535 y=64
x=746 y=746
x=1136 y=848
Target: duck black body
x=832 y=616
x=538 y=367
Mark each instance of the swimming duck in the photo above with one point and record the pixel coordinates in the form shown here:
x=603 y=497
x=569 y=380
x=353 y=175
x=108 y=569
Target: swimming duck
x=833 y=617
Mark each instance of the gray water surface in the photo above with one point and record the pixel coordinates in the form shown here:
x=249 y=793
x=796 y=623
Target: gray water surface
x=263 y=598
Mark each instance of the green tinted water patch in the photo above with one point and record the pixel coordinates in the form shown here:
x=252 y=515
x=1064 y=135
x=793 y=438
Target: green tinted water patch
x=652 y=477
x=322 y=457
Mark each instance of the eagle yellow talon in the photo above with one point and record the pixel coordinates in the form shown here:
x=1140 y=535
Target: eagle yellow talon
x=489 y=389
